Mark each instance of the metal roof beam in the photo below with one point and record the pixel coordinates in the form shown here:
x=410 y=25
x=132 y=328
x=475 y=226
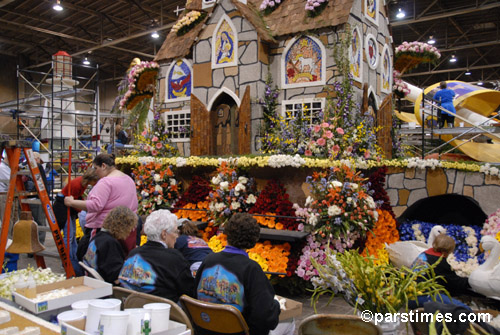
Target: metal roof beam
x=479 y=67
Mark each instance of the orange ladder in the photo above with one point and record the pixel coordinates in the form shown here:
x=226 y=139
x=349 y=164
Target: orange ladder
x=16 y=186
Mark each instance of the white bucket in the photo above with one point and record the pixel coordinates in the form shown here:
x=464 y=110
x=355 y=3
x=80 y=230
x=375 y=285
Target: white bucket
x=117 y=303
x=81 y=305
x=160 y=315
x=113 y=323
x=74 y=318
x=135 y=320
x=96 y=307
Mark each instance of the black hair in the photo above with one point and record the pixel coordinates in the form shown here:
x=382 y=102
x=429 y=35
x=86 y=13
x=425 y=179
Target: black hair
x=443 y=85
x=108 y=159
x=242 y=231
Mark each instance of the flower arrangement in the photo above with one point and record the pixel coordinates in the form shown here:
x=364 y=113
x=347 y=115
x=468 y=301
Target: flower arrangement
x=156 y=186
x=492 y=224
x=194 y=200
x=314 y=249
x=385 y=231
x=272 y=201
x=315 y=7
x=188 y=21
x=268 y=6
x=155 y=140
x=339 y=203
x=367 y=286
x=141 y=84
x=380 y=196
x=399 y=87
x=230 y=194
x=409 y=55
x=465 y=258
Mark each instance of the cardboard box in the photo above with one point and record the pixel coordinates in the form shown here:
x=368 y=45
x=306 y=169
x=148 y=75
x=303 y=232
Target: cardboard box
x=174 y=328
x=82 y=288
x=293 y=309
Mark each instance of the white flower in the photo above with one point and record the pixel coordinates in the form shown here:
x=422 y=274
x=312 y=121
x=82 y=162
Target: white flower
x=334 y=210
x=180 y=161
x=309 y=201
x=313 y=220
x=354 y=186
x=158 y=202
x=144 y=193
x=239 y=187
x=235 y=205
x=375 y=215
x=335 y=183
x=157 y=177
x=243 y=180
x=224 y=185
x=216 y=180
x=158 y=188
x=219 y=207
x=173 y=182
x=349 y=200
x=251 y=199
x=370 y=202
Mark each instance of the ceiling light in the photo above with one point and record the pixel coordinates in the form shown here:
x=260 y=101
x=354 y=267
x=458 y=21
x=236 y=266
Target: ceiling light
x=401 y=14
x=453 y=59
x=431 y=40
x=155 y=34
x=468 y=73
x=86 y=61
x=57 y=6
x=480 y=83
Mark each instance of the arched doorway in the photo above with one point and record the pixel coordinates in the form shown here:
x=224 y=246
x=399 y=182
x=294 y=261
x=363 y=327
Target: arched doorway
x=225 y=123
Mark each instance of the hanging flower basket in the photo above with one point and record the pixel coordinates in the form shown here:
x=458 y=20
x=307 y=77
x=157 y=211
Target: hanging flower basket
x=410 y=55
x=188 y=22
x=141 y=84
x=269 y=6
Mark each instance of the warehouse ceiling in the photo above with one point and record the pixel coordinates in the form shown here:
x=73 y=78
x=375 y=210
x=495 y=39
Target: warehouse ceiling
x=469 y=30
x=111 y=33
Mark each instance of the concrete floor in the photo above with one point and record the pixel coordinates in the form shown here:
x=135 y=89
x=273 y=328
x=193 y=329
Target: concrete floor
x=337 y=306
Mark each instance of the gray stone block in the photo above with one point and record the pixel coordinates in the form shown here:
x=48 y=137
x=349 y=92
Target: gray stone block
x=203 y=52
x=294 y=93
x=249 y=73
x=412 y=184
x=458 y=186
x=229 y=83
x=420 y=173
x=396 y=180
x=393 y=196
x=218 y=77
x=247 y=36
x=488 y=198
x=248 y=53
x=201 y=93
x=246 y=26
x=313 y=89
x=416 y=195
x=211 y=93
x=474 y=178
x=237 y=23
x=450 y=175
x=227 y=5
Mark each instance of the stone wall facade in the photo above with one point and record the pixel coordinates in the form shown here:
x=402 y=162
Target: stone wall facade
x=406 y=186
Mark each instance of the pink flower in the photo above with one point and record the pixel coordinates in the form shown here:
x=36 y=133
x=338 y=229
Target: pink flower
x=146 y=148
x=335 y=149
x=367 y=154
x=154 y=152
x=154 y=139
x=348 y=149
x=144 y=133
x=340 y=131
x=325 y=125
x=328 y=134
x=321 y=141
x=159 y=145
x=317 y=128
x=308 y=152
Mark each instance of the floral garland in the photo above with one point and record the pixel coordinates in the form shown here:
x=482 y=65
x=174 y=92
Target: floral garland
x=230 y=194
x=292 y=161
x=339 y=204
x=156 y=187
x=400 y=87
x=188 y=21
x=141 y=84
x=465 y=258
x=273 y=200
x=492 y=225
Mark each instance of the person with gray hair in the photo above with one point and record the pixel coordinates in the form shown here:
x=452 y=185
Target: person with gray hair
x=155 y=267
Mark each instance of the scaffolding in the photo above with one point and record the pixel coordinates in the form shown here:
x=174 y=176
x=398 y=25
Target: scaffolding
x=59 y=108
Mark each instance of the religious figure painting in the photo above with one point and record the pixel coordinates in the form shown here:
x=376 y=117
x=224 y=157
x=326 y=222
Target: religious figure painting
x=385 y=70
x=226 y=44
x=371 y=10
x=355 y=55
x=179 y=81
x=304 y=63
x=371 y=51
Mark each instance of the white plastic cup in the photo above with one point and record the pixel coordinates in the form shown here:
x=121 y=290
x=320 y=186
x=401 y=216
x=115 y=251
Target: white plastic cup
x=81 y=305
x=74 y=318
x=113 y=322
x=462 y=124
x=135 y=320
x=160 y=316
x=96 y=307
x=117 y=303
